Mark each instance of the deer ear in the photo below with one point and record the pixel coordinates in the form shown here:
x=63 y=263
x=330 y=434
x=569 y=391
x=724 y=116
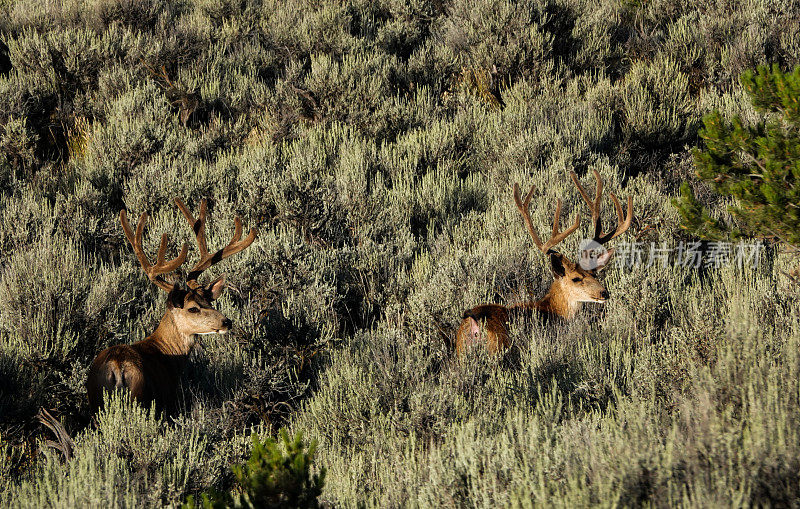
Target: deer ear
x=177 y=295
x=603 y=259
x=214 y=289
x=557 y=265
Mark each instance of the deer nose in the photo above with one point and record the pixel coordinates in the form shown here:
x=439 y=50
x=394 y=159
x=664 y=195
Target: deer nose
x=604 y=294
x=227 y=323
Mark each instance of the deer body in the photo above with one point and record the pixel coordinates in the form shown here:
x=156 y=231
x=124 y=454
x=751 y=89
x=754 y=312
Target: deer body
x=562 y=301
x=488 y=323
x=149 y=373
x=494 y=319
x=151 y=369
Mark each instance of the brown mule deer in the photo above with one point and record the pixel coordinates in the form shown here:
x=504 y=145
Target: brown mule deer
x=573 y=284
x=150 y=369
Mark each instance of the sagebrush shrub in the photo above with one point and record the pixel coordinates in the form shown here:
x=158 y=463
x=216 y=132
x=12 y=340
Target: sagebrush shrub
x=374 y=145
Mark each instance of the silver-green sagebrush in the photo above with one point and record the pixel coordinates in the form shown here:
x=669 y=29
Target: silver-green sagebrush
x=373 y=144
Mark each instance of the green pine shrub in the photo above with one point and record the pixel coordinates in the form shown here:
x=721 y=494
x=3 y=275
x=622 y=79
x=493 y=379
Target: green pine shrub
x=274 y=476
x=756 y=165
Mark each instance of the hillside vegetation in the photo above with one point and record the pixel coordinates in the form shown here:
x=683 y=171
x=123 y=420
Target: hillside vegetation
x=374 y=145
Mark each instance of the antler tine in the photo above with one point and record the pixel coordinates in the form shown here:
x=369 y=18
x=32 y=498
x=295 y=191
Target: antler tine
x=161 y=267
x=623 y=223
x=232 y=248
x=135 y=241
x=556 y=237
x=594 y=205
x=162 y=250
x=199 y=227
x=237 y=229
x=524 y=209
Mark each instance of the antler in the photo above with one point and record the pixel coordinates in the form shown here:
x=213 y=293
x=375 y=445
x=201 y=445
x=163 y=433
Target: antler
x=64 y=442
x=623 y=223
x=556 y=237
x=208 y=259
x=161 y=267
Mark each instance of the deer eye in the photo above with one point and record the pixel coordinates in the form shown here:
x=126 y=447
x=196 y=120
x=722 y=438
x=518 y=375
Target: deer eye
x=577 y=279
x=194 y=309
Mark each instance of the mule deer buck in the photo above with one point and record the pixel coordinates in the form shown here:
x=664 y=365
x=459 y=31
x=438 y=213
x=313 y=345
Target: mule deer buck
x=572 y=285
x=151 y=368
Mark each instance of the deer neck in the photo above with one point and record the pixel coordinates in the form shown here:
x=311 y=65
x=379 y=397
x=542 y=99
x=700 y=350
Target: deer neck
x=557 y=302
x=168 y=339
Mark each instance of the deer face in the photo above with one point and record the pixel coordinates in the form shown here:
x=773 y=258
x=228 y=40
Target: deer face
x=192 y=311
x=577 y=283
